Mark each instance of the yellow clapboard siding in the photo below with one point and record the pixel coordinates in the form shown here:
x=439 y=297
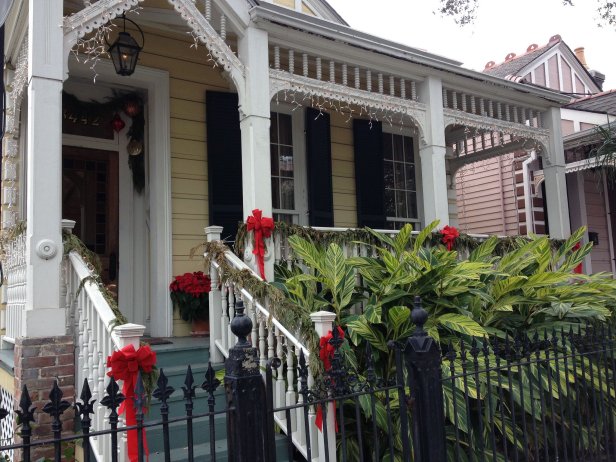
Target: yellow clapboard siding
x=188 y=187
x=342 y=135
x=343 y=168
x=188 y=149
x=343 y=185
x=342 y=152
x=188 y=227
x=185 y=168
x=184 y=247
x=187 y=129
x=345 y=201
x=186 y=70
x=190 y=206
x=193 y=91
x=345 y=219
x=188 y=110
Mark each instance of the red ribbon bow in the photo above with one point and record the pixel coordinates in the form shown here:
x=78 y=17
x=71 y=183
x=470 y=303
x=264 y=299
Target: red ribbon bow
x=326 y=353
x=262 y=228
x=450 y=234
x=125 y=365
x=578 y=268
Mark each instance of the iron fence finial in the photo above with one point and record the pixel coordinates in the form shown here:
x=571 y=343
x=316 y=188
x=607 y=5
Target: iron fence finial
x=241 y=325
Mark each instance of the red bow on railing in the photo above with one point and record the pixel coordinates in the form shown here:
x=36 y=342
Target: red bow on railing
x=326 y=353
x=125 y=365
x=262 y=228
x=450 y=234
x=578 y=268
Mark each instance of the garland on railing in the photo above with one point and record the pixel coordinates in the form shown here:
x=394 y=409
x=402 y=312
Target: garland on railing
x=293 y=317
x=350 y=236
x=73 y=243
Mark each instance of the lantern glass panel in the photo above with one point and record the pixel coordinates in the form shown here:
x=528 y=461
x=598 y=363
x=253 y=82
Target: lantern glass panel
x=124 y=54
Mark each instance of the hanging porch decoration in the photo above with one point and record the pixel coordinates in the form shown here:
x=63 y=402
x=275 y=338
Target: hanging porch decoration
x=262 y=228
x=125 y=365
x=89 y=117
x=450 y=234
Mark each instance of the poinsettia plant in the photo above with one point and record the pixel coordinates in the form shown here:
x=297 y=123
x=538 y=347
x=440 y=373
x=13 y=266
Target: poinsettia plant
x=189 y=292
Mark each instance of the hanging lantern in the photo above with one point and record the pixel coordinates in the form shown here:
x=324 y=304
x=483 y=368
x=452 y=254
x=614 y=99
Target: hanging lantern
x=125 y=50
x=117 y=123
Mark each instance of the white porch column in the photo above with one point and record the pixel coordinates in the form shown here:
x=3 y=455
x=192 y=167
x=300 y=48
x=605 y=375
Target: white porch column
x=44 y=317
x=555 y=180
x=577 y=212
x=254 y=110
x=432 y=154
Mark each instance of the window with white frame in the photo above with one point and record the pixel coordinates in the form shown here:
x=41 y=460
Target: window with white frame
x=400 y=181
x=288 y=182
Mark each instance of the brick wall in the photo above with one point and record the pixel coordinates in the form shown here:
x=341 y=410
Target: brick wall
x=38 y=363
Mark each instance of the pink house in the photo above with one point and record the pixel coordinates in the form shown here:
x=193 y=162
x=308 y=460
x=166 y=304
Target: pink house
x=505 y=195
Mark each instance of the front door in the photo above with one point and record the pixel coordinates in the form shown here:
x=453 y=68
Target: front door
x=90 y=197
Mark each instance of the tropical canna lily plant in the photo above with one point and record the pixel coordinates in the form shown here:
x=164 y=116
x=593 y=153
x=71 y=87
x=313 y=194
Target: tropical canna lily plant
x=529 y=291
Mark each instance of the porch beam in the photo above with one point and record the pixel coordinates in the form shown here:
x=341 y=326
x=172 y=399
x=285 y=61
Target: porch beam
x=432 y=154
x=44 y=316
x=555 y=180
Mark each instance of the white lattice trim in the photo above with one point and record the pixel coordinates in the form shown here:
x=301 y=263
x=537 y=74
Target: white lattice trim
x=94 y=16
x=220 y=51
x=456 y=117
x=285 y=81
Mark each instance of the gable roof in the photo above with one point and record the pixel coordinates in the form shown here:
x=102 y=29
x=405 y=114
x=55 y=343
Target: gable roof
x=520 y=66
x=515 y=64
x=604 y=103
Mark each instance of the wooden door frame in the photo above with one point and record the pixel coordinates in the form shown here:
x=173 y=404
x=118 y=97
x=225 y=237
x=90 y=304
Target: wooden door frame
x=157 y=197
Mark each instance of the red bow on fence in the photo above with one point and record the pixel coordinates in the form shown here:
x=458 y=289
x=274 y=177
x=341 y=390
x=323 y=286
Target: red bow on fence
x=326 y=353
x=578 y=268
x=450 y=234
x=125 y=365
x=262 y=228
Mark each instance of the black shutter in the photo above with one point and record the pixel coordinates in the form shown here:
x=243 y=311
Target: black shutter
x=369 y=181
x=224 y=160
x=319 y=160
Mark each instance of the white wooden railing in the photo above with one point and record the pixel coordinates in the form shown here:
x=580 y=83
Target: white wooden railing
x=96 y=338
x=15 y=272
x=272 y=339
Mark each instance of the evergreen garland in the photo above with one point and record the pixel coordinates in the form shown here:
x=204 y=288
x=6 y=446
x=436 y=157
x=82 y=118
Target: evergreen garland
x=293 y=317
x=353 y=236
x=73 y=243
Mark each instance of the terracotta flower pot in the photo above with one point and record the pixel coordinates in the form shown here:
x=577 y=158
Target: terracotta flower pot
x=200 y=328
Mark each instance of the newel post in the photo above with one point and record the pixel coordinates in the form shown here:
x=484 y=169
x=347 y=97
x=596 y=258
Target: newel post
x=245 y=391
x=422 y=356
x=129 y=334
x=212 y=234
x=324 y=324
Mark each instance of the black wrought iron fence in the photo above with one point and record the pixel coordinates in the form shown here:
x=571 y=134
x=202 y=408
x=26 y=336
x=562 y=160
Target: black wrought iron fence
x=550 y=396
x=545 y=397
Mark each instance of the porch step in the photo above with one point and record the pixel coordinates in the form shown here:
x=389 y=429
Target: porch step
x=182 y=351
x=202 y=452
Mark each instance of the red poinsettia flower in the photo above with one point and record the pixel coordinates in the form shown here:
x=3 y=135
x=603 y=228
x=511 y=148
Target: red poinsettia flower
x=450 y=234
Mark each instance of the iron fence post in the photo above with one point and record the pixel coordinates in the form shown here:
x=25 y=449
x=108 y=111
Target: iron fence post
x=245 y=391
x=423 y=362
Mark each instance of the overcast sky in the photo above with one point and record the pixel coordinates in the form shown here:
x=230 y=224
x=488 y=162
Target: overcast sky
x=502 y=26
